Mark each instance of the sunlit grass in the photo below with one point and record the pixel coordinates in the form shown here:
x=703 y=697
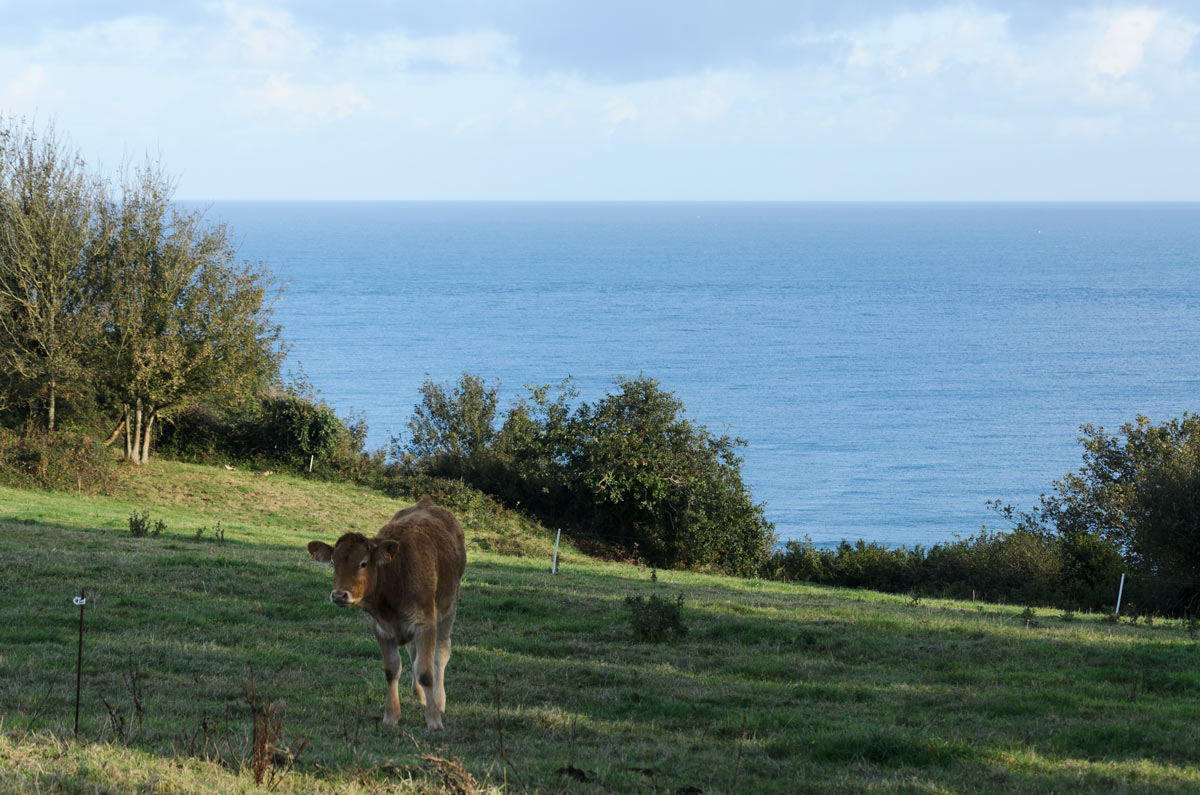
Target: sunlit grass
x=775 y=688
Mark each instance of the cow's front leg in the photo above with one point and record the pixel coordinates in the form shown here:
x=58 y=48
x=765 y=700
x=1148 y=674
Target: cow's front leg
x=426 y=640
x=391 y=672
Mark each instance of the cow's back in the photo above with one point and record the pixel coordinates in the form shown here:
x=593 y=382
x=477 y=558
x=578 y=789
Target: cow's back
x=430 y=537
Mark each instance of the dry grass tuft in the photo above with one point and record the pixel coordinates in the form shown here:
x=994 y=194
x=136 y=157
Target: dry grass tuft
x=453 y=777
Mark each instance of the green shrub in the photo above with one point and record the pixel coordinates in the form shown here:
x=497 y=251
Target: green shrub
x=1019 y=566
x=454 y=429
x=654 y=619
x=281 y=431
x=61 y=461
x=1137 y=496
x=139 y=524
x=629 y=471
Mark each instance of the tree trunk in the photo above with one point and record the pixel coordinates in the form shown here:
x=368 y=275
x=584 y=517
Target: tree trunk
x=50 y=421
x=128 y=432
x=112 y=437
x=146 y=436
x=136 y=451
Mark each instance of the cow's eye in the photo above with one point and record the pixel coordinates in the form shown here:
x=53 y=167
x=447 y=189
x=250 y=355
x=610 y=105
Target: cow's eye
x=363 y=565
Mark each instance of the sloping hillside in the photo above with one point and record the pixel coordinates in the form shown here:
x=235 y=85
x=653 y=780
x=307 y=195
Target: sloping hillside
x=775 y=687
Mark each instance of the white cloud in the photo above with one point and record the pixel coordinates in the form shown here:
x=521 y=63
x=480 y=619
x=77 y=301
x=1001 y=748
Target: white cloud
x=619 y=109
x=1135 y=58
x=24 y=90
x=711 y=101
x=1121 y=46
x=478 y=50
x=304 y=103
x=922 y=45
x=263 y=36
x=909 y=90
x=123 y=40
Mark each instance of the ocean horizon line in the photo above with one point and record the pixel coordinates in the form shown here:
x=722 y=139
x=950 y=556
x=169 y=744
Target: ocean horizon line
x=812 y=202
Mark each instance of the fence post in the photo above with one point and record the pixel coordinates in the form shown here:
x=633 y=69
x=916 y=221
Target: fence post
x=81 y=601
x=1120 y=591
x=554 y=564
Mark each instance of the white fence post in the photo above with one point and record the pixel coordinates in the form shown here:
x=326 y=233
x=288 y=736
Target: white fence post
x=554 y=564
x=1120 y=591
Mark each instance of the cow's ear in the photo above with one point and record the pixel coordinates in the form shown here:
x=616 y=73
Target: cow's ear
x=320 y=551
x=384 y=552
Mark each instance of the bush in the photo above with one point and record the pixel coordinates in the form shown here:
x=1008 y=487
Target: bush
x=61 y=461
x=1020 y=567
x=1137 y=495
x=454 y=430
x=280 y=431
x=629 y=470
x=655 y=618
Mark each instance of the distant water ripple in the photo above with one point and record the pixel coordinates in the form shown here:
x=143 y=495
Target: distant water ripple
x=892 y=366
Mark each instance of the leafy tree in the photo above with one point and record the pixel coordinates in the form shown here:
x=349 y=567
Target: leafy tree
x=454 y=430
x=48 y=233
x=654 y=477
x=1138 y=492
x=184 y=321
x=629 y=468
x=536 y=443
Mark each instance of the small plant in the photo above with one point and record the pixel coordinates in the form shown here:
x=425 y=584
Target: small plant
x=654 y=618
x=120 y=720
x=199 y=533
x=1192 y=627
x=1030 y=618
x=914 y=598
x=1137 y=682
x=139 y=524
x=219 y=534
x=160 y=527
x=1068 y=616
x=269 y=759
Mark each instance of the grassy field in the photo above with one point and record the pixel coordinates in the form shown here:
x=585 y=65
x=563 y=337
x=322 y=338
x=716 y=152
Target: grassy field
x=775 y=687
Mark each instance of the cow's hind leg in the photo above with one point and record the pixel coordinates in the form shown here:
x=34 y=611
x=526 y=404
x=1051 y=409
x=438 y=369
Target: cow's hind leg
x=391 y=672
x=445 y=625
x=426 y=639
x=418 y=693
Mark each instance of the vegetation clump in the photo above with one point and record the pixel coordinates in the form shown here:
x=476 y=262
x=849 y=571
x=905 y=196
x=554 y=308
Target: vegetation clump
x=629 y=470
x=1136 y=496
x=1018 y=567
x=118 y=306
x=655 y=619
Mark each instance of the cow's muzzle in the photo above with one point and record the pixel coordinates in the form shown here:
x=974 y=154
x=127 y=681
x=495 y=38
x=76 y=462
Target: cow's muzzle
x=341 y=598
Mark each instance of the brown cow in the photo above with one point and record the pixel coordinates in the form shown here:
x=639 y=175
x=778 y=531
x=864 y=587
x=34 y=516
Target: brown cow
x=407 y=579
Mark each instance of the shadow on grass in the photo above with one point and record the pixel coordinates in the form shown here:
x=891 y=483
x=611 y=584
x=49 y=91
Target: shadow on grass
x=768 y=689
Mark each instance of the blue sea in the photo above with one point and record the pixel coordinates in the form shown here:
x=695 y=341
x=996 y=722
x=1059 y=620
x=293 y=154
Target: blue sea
x=892 y=366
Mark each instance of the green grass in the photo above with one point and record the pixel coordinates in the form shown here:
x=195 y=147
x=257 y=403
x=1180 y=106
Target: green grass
x=775 y=687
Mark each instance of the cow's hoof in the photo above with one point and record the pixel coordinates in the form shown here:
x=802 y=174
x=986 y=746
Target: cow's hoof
x=434 y=725
x=390 y=720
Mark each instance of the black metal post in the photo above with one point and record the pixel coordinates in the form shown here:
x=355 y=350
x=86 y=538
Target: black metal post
x=82 y=602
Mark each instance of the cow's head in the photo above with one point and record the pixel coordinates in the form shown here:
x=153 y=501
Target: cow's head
x=356 y=560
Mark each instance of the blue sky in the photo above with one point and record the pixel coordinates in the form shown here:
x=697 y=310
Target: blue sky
x=551 y=99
